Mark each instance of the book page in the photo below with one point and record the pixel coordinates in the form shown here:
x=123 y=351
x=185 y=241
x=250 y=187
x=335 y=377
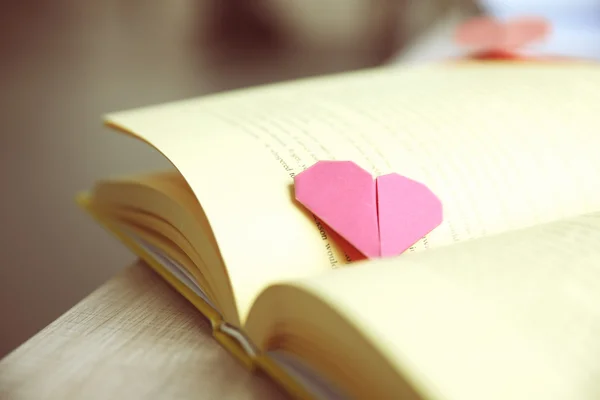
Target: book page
x=503 y=146
x=513 y=316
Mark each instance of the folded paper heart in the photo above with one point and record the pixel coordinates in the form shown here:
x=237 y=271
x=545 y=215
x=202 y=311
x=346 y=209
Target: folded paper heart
x=380 y=218
x=487 y=34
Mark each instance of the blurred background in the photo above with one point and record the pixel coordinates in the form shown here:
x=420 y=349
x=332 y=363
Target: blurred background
x=65 y=63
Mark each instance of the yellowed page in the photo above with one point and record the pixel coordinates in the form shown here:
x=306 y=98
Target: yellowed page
x=503 y=146
x=513 y=316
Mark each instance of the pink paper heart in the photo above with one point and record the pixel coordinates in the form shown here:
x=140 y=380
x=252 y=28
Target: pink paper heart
x=379 y=218
x=484 y=33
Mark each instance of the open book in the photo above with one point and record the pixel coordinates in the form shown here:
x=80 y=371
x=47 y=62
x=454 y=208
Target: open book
x=501 y=301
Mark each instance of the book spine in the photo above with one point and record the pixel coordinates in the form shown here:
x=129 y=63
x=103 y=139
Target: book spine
x=229 y=337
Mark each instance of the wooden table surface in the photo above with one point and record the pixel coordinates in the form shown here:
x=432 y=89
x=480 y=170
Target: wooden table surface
x=132 y=338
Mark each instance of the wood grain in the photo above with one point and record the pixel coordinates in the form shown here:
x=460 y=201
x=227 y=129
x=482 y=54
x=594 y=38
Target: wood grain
x=132 y=338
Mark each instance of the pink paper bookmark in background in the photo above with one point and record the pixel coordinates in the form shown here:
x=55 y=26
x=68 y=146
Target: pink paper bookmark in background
x=380 y=218
x=487 y=34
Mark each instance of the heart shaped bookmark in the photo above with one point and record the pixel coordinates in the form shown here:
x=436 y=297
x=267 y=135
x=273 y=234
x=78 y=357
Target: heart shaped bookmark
x=380 y=218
